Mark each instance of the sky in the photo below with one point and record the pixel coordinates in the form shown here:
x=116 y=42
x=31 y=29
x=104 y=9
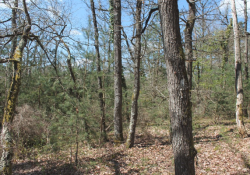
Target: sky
x=79 y=13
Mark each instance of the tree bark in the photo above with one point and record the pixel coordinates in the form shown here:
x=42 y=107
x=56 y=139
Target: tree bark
x=189 y=42
x=101 y=99
x=238 y=74
x=179 y=99
x=136 y=90
x=6 y=137
x=117 y=73
x=14 y=27
x=246 y=40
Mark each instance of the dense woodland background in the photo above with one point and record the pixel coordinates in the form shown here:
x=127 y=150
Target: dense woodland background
x=56 y=112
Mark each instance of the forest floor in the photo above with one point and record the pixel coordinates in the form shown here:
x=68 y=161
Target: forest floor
x=220 y=151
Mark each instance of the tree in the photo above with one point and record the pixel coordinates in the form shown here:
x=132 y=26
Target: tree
x=238 y=74
x=117 y=72
x=246 y=40
x=189 y=42
x=6 y=138
x=136 y=89
x=101 y=98
x=179 y=99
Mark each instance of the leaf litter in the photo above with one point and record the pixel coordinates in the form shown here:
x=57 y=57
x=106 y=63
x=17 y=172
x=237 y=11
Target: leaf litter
x=220 y=151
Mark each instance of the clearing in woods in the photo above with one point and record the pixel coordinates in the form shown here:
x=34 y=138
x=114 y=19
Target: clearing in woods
x=220 y=151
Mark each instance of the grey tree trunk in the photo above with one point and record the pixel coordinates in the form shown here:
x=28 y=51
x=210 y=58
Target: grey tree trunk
x=117 y=73
x=136 y=90
x=101 y=98
x=179 y=99
x=238 y=74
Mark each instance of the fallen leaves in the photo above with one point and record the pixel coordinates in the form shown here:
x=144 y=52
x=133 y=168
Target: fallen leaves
x=152 y=154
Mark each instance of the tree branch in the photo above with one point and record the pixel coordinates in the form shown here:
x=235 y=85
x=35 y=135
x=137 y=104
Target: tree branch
x=149 y=16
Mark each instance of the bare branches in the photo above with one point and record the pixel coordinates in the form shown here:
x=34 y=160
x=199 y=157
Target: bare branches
x=7 y=20
x=10 y=35
x=147 y=20
x=129 y=49
x=26 y=12
x=5 y=60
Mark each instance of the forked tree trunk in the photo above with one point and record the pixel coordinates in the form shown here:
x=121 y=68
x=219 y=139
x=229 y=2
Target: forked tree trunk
x=136 y=90
x=238 y=74
x=179 y=99
x=117 y=73
x=101 y=99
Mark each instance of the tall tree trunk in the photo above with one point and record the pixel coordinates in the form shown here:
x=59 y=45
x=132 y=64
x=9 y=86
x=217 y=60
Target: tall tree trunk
x=189 y=43
x=117 y=73
x=101 y=99
x=246 y=41
x=246 y=58
x=14 y=27
x=238 y=74
x=179 y=99
x=136 y=90
x=6 y=137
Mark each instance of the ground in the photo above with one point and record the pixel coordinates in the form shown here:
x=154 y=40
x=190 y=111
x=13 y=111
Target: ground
x=220 y=151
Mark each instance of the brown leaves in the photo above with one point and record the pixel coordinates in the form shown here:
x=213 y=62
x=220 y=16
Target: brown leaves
x=226 y=154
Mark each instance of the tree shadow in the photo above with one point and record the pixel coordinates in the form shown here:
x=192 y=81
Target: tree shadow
x=143 y=141
x=43 y=168
x=206 y=139
x=86 y=165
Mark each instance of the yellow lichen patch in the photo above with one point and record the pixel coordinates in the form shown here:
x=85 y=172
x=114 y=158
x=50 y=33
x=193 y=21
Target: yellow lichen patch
x=17 y=55
x=240 y=112
x=13 y=93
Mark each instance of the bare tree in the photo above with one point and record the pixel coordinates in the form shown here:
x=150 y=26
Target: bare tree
x=246 y=40
x=6 y=138
x=238 y=74
x=136 y=89
x=101 y=97
x=117 y=72
x=179 y=99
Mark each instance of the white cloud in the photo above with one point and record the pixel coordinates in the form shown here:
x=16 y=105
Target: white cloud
x=226 y=5
x=75 y=32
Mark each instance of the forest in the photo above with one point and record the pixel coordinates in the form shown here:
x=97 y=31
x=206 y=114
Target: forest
x=124 y=87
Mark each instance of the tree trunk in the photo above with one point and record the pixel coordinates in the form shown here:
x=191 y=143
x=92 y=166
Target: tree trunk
x=246 y=57
x=101 y=99
x=136 y=90
x=246 y=41
x=238 y=74
x=179 y=99
x=6 y=138
x=117 y=73
x=14 y=27
x=189 y=43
